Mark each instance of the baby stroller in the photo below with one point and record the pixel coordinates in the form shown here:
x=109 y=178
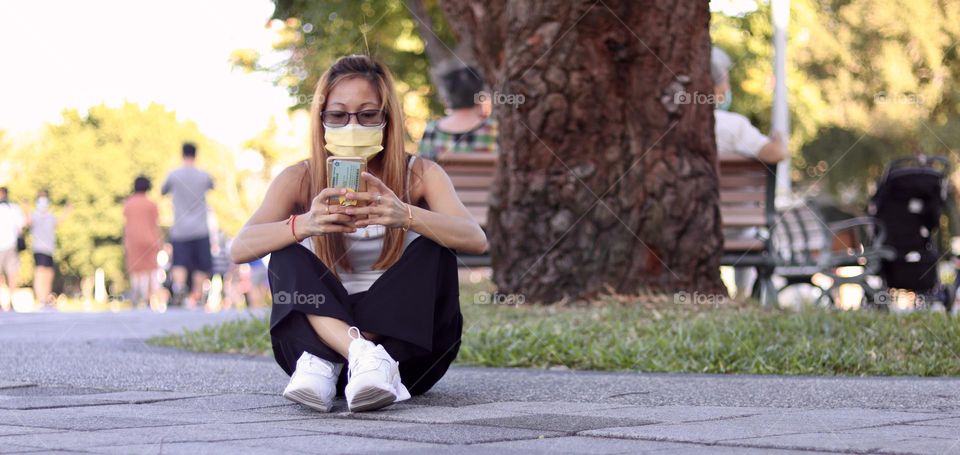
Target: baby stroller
x=910 y=198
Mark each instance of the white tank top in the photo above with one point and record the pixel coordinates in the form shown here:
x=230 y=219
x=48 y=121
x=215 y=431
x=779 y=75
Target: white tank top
x=363 y=250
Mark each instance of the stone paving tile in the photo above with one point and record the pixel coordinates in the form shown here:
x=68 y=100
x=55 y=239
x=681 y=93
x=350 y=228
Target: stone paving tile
x=184 y=433
x=149 y=396
x=24 y=403
x=102 y=423
x=543 y=407
x=187 y=448
x=24 y=398
x=455 y=433
x=911 y=431
x=584 y=445
x=335 y=443
x=438 y=414
x=14 y=448
x=109 y=416
x=459 y=450
x=201 y=417
x=787 y=422
x=679 y=414
x=345 y=426
x=13 y=385
x=923 y=445
x=559 y=422
x=289 y=410
x=697 y=449
x=228 y=402
x=51 y=391
x=126 y=415
x=588 y=445
x=11 y=430
x=952 y=422
x=887 y=439
x=339 y=409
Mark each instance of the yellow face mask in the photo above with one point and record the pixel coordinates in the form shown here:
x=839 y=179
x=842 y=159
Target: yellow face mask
x=354 y=140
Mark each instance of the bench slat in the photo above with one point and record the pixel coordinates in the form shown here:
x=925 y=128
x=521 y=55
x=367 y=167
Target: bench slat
x=479 y=213
x=474 y=197
x=743 y=181
x=743 y=245
x=742 y=189
x=743 y=220
x=482 y=159
x=472 y=181
x=742 y=196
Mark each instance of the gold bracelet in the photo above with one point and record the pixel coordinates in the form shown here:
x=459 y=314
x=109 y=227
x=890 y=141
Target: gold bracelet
x=406 y=226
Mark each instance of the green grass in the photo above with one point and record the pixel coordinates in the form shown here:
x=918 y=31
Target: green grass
x=656 y=335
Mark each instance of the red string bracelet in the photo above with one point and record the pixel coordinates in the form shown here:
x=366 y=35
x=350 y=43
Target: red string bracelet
x=293 y=227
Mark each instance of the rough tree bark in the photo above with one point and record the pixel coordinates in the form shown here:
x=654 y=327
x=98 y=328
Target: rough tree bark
x=605 y=182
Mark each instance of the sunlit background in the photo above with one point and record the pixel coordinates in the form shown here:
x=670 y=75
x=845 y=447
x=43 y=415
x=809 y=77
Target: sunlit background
x=95 y=93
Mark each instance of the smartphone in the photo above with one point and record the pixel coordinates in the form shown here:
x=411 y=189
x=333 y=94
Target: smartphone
x=344 y=172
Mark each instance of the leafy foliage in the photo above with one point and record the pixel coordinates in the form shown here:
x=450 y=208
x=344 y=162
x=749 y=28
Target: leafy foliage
x=865 y=85
x=89 y=161
x=315 y=34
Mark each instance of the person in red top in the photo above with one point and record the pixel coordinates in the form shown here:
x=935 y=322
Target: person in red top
x=141 y=242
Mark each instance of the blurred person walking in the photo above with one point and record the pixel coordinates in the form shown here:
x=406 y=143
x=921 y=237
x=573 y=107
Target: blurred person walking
x=467 y=127
x=43 y=226
x=190 y=234
x=141 y=243
x=11 y=243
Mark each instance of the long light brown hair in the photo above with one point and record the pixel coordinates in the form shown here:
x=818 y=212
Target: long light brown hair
x=330 y=248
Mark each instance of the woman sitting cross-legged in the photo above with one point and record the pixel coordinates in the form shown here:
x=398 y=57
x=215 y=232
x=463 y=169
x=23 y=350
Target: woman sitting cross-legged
x=372 y=285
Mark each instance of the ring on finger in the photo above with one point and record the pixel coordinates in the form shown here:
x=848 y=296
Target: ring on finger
x=379 y=196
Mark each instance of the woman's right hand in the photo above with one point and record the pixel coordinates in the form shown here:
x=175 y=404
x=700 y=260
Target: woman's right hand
x=324 y=217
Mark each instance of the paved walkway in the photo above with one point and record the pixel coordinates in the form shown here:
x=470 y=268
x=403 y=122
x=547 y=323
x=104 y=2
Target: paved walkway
x=88 y=383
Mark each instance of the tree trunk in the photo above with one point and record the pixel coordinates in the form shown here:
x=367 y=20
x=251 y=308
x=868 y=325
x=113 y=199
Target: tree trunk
x=605 y=183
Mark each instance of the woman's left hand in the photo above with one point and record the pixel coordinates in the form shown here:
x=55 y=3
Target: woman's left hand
x=382 y=207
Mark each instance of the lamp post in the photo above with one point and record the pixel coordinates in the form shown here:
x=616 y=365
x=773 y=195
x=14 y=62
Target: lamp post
x=781 y=116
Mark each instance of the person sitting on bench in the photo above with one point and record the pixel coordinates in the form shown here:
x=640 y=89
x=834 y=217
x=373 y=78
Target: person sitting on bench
x=735 y=134
x=468 y=127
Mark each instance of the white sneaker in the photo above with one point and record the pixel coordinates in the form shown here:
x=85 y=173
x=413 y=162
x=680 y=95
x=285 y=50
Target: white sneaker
x=314 y=382
x=373 y=378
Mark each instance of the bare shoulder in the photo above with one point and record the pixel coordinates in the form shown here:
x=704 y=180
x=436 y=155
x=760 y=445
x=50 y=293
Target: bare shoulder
x=428 y=172
x=424 y=175
x=427 y=168
x=292 y=181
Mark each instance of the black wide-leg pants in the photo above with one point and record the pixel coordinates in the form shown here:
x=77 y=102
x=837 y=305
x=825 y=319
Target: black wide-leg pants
x=414 y=307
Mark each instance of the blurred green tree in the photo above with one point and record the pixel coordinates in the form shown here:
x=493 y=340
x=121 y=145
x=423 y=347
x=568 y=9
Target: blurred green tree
x=410 y=36
x=405 y=35
x=89 y=161
x=868 y=80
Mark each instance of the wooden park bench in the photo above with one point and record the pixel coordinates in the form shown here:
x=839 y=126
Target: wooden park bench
x=748 y=214
x=472 y=175
x=747 y=211
x=796 y=242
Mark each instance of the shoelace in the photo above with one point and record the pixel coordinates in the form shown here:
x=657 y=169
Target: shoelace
x=353 y=329
x=367 y=362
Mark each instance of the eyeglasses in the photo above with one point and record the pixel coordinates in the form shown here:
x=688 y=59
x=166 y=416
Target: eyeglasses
x=337 y=119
